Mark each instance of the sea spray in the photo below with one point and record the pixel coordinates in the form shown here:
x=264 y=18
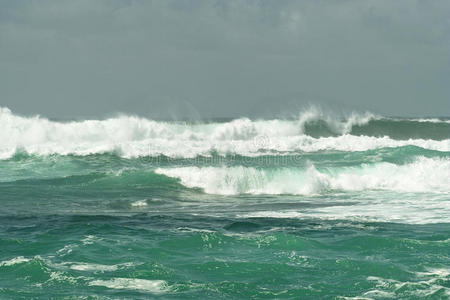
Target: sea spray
x=319 y=206
x=131 y=136
x=422 y=175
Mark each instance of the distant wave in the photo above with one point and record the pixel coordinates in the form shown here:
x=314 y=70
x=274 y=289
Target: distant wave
x=430 y=120
x=315 y=121
x=131 y=136
x=421 y=175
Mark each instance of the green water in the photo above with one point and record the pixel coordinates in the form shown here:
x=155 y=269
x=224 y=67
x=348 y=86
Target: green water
x=104 y=227
x=206 y=257
x=282 y=220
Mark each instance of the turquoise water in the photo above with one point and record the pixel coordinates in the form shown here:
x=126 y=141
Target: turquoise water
x=319 y=207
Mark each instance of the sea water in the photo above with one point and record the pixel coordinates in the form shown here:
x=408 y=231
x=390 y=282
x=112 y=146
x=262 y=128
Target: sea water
x=318 y=206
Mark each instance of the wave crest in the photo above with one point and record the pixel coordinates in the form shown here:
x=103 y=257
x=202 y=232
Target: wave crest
x=131 y=136
x=422 y=175
x=335 y=124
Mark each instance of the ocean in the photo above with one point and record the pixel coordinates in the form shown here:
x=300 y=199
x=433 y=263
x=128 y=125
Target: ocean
x=319 y=206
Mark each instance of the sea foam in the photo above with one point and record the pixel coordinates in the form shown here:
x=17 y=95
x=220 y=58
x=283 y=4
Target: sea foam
x=153 y=286
x=131 y=136
x=422 y=175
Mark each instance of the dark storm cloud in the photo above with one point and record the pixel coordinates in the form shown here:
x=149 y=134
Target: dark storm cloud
x=224 y=58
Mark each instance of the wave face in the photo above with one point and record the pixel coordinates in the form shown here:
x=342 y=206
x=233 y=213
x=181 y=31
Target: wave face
x=422 y=175
x=129 y=136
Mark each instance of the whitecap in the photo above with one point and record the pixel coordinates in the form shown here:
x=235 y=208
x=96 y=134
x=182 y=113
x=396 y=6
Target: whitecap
x=153 y=286
x=14 y=261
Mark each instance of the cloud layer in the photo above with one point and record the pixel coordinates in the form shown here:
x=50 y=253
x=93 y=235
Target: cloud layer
x=224 y=58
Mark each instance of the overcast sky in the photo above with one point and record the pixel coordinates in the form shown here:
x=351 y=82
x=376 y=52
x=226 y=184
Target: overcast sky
x=165 y=59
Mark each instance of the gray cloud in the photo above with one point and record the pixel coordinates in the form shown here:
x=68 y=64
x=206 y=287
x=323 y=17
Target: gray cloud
x=224 y=58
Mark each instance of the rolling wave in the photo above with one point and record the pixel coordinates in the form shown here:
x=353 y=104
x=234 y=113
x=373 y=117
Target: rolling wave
x=422 y=175
x=130 y=136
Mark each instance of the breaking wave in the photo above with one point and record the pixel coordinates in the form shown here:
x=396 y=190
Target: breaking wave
x=421 y=175
x=131 y=136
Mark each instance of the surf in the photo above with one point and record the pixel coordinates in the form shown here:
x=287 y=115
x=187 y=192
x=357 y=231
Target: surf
x=421 y=175
x=133 y=136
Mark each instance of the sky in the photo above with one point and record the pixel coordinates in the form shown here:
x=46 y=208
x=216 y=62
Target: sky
x=224 y=58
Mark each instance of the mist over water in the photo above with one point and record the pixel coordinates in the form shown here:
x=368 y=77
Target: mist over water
x=130 y=136
x=322 y=205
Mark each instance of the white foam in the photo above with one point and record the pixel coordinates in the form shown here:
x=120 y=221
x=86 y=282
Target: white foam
x=415 y=193
x=62 y=277
x=139 y=203
x=338 y=124
x=422 y=175
x=67 y=249
x=370 y=206
x=93 y=267
x=154 y=286
x=14 y=261
x=435 y=272
x=81 y=266
x=431 y=120
x=397 y=210
x=421 y=289
x=131 y=136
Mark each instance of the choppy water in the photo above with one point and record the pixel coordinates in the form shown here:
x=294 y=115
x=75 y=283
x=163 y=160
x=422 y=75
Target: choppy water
x=316 y=207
